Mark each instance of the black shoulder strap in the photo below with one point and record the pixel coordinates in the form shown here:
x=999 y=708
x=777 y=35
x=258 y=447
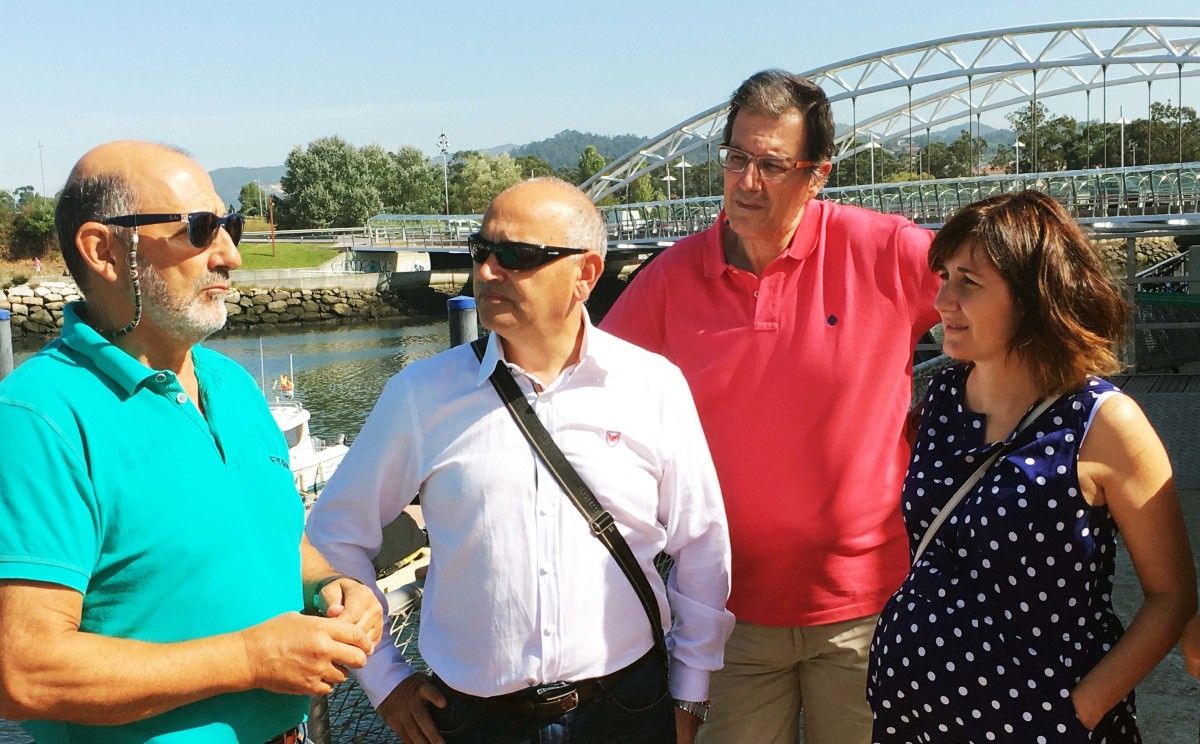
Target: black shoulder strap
x=598 y=519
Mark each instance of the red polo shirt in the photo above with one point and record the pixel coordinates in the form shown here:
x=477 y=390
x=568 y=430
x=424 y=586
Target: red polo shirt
x=802 y=378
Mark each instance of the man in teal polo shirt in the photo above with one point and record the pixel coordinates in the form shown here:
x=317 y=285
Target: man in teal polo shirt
x=151 y=564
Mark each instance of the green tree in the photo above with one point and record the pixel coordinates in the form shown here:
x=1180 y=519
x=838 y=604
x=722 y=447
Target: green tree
x=705 y=177
x=965 y=154
x=252 y=200
x=1056 y=142
x=531 y=166
x=1002 y=158
x=1156 y=140
x=24 y=194
x=478 y=178
x=414 y=184
x=33 y=228
x=886 y=163
x=591 y=162
x=329 y=184
x=8 y=210
x=641 y=189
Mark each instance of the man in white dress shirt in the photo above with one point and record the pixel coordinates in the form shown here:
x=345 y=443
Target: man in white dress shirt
x=529 y=625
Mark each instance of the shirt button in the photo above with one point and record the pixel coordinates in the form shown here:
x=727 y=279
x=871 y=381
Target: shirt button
x=543 y=571
x=756 y=293
x=160 y=377
x=548 y=630
x=181 y=398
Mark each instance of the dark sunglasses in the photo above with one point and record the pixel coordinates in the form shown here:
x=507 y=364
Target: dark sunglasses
x=201 y=226
x=515 y=256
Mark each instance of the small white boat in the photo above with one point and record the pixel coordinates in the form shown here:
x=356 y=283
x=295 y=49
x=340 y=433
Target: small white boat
x=313 y=460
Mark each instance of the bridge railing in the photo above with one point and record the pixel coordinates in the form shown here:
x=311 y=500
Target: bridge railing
x=1091 y=193
x=1095 y=193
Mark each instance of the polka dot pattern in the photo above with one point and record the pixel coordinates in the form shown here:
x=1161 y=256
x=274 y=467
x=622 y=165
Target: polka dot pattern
x=1010 y=606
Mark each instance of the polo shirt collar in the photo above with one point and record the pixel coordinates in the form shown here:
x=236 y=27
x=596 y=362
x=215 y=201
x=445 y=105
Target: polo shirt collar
x=803 y=242
x=493 y=352
x=128 y=373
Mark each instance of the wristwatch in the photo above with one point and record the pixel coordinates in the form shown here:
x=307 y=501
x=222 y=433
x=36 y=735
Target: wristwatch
x=699 y=710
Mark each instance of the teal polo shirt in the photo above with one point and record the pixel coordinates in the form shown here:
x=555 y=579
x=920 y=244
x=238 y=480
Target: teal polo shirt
x=172 y=525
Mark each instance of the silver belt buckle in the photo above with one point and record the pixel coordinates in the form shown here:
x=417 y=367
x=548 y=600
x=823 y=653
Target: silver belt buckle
x=562 y=695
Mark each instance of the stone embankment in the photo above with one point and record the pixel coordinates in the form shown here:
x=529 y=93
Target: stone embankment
x=37 y=310
x=1150 y=251
x=257 y=306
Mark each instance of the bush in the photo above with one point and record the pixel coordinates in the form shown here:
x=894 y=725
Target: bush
x=17 y=280
x=33 y=229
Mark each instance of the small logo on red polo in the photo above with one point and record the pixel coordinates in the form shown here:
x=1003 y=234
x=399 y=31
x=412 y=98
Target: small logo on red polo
x=613 y=438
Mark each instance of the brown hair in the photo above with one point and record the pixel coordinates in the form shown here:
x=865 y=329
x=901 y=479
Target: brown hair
x=777 y=93
x=1070 y=315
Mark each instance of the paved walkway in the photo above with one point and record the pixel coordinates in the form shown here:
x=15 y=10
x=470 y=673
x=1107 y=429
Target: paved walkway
x=1172 y=403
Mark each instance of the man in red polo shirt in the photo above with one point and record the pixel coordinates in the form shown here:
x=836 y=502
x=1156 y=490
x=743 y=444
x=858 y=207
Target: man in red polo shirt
x=794 y=321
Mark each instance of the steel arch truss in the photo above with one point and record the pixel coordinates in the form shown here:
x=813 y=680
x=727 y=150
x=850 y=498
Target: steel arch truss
x=913 y=88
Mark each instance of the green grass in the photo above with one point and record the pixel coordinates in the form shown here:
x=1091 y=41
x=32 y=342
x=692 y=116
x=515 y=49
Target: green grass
x=287 y=255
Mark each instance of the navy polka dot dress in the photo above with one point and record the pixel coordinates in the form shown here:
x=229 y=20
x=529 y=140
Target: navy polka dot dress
x=1010 y=605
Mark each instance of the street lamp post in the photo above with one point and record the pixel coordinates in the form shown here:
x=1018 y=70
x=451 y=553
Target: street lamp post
x=874 y=145
x=668 y=178
x=683 y=165
x=1122 y=121
x=444 y=146
x=670 y=217
x=1017 y=145
x=262 y=208
x=42 y=168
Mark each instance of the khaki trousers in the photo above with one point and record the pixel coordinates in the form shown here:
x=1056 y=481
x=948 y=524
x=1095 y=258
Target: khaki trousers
x=771 y=674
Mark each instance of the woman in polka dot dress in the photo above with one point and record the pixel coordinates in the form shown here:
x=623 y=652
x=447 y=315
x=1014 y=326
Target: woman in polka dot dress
x=1004 y=629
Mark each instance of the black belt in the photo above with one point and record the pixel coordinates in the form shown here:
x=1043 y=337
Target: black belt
x=547 y=702
x=291 y=736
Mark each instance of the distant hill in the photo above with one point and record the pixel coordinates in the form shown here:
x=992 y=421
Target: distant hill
x=563 y=149
x=497 y=150
x=229 y=181
x=946 y=135
x=992 y=135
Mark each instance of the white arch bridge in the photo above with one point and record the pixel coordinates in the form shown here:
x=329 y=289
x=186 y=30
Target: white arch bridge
x=901 y=94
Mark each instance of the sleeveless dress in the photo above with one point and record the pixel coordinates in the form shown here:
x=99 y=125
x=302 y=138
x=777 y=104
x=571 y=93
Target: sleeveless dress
x=1011 y=603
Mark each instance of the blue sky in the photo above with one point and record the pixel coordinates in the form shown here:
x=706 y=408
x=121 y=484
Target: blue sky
x=241 y=84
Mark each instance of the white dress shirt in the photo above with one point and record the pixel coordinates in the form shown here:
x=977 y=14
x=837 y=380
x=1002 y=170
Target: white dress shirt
x=519 y=592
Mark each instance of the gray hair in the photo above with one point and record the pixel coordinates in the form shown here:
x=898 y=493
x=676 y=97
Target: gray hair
x=777 y=93
x=89 y=199
x=588 y=229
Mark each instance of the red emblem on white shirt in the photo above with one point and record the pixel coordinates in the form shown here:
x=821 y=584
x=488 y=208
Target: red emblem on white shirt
x=613 y=438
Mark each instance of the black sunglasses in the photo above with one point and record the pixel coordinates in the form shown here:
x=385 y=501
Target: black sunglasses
x=515 y=256
x=201 y=226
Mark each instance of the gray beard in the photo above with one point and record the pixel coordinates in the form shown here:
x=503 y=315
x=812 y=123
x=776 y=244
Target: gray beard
x=189 y=317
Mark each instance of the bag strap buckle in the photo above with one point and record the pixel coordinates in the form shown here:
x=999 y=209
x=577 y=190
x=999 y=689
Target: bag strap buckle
x=602 y=523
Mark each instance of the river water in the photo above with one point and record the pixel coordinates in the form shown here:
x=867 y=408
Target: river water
x=339 y=370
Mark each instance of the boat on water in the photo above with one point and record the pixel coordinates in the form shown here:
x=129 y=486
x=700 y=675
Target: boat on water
x=313 y=460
